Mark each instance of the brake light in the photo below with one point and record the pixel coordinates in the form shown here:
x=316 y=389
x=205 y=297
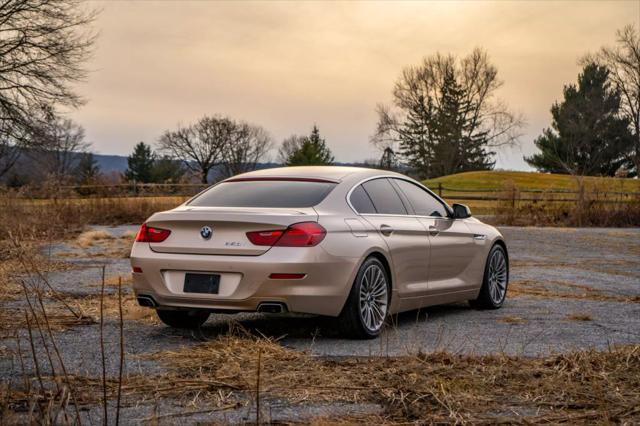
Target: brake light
x=304 y=234
x=264 y=238
x=149 y=234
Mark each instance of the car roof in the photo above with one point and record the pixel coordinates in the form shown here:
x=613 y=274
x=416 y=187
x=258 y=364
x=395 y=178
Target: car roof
x=334 y=173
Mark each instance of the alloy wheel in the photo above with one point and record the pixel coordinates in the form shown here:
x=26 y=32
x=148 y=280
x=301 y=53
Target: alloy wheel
x=497 y=276
x=373 y=298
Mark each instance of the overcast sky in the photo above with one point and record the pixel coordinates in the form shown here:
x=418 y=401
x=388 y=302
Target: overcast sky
x=288 y=65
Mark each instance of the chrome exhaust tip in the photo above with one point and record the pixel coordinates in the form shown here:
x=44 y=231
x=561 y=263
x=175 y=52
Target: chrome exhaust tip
x=272 y=307
x=146 y=301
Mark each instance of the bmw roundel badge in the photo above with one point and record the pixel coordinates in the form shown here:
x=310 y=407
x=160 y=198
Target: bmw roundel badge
x=206 y=232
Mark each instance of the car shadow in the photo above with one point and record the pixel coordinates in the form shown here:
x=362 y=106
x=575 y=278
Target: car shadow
x=277 y=326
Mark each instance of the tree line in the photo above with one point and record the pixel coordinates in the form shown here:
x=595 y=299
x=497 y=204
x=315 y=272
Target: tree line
x=222 y=144
x=43 y=50
x=445 y=116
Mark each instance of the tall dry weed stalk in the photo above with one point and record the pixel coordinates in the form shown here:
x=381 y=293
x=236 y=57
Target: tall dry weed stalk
x=56 y=392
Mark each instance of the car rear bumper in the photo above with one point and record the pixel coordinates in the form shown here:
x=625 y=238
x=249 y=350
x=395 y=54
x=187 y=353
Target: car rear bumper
x=245 y=282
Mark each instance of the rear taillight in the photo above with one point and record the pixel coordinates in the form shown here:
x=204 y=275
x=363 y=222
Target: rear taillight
x=149 y=234
x=264 y=238
x=304 y=234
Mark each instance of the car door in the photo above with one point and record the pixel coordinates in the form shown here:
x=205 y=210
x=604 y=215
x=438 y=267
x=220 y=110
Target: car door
x=451 y=241
x=404 y=235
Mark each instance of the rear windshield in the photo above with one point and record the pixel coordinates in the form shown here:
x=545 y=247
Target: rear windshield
x=264 y=193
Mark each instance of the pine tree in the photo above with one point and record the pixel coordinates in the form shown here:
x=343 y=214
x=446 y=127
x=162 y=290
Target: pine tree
x=416 y=138
x=438 y=136
x=167 y=170
x=312 y=152
x=588 y=136
x=140 y=164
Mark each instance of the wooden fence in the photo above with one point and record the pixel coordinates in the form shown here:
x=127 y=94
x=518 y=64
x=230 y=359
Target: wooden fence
x=471 y=195
x=534 y=194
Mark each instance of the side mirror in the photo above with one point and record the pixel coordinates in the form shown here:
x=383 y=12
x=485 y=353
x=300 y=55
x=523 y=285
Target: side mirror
x=461 y=211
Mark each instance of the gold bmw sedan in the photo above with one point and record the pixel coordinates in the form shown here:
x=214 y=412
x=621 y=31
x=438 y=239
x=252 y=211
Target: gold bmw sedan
x=353 y=243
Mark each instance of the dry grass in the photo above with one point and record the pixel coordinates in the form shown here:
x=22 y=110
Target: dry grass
x=511 y=319
x=579 y=317
x=576 y=388
x=574 y=291
x=91 y=238
x=102 y=244
x=441 y=387
x=62 y=217
x=90 y=306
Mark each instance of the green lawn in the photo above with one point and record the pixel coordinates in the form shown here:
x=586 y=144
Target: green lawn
x=529 y=180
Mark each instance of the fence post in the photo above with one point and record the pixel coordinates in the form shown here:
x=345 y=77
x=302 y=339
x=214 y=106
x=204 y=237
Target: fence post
x=440 y=189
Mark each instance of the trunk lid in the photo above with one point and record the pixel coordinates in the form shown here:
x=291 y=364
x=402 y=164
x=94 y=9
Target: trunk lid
x=228 y=228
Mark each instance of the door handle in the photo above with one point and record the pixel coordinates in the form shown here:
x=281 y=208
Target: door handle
x=433 y=231
x=386 y=230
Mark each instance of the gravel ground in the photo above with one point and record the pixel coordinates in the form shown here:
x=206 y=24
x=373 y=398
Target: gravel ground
x=595 y=270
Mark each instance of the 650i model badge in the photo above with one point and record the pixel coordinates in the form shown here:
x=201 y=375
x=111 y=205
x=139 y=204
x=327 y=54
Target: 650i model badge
x=206 y=232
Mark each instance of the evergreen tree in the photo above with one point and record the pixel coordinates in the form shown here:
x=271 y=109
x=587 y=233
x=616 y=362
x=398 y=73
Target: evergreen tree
x=416 y=137
x=588 y=134
x=167 y=170
x=140 y=164
x=87 y=170
x=438 y=136
x=445 y=117
x=313 y=151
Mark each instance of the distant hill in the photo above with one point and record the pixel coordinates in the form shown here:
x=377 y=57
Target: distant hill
x=111 y=163
x=118 y=163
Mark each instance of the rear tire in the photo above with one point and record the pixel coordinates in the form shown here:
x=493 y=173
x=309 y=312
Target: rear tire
x=495 y=282
x=367 y=307
x=183 y=319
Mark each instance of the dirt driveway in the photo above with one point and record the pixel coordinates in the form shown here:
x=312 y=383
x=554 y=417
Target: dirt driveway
x=570 y=289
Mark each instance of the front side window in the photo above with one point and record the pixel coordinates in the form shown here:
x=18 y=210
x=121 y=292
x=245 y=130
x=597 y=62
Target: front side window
x=423 y=203
x=264 y=193
x=384 y=197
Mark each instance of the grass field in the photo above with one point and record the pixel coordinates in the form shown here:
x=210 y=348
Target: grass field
x=530 y=198
x=496 y=180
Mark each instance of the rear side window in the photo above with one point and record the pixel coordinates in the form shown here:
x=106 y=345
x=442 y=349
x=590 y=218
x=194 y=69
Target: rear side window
x=423 y=203
x=264 y=193
x=384 y=197
x=361 y=201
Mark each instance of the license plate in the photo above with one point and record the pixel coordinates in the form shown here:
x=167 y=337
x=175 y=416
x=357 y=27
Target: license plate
x=201 y=283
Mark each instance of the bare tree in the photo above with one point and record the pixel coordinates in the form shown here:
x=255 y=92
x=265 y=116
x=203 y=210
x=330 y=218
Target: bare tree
x=56 y=145
x=43 y=46
x=288 y=147
x=623 y=62
x=11 y=140
x=248 y=146
x=445 y=114
x=201 y=145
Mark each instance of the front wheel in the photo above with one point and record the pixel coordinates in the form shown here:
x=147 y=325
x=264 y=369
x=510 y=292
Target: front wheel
x=183 y=319
x=495 y=281
x=365 y=312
